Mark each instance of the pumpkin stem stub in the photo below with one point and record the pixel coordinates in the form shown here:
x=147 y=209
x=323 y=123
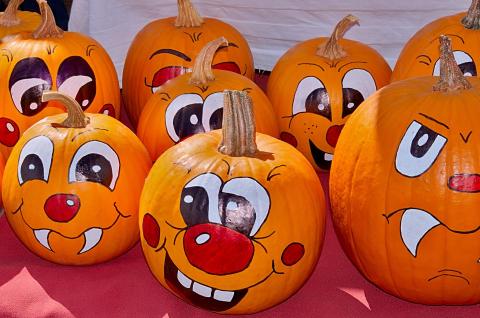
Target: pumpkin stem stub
x=331 y=49
x=9 y=17
x=238 y=132
x=451 y=77
x=202 y=69
x=472 y=19
x=48 y=28
x=75 y=118
x=188 y=16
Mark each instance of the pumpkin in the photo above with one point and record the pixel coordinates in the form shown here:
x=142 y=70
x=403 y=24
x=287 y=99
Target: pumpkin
x=404 y=188
x=193 y=103
x=221 y=225
x=12 y=21
x=420 y=56
x=166 y=48
x=318 y=84
x=72 y=186
x=49 y=58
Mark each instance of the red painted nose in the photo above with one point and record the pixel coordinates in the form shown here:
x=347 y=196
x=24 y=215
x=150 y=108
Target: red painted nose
x=464 y=182
x=62 y=207
x=216 y=249
x=333 y=133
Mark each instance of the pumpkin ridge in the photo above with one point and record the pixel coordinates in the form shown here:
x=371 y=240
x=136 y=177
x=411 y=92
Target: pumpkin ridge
x=48 y=28
x=188 y=16
x=9 y=17
x=75 y=118
x=202 y=69
x=331 y=49
x=472 y=19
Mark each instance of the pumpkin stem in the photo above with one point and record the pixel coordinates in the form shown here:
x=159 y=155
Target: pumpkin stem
x=202 y=69
x=451 y=77
x=188 y=16
x=331 y=49
x=48 y=28
x=75 y=118
x=472 y=19
x=238 y=125
x=9 y=17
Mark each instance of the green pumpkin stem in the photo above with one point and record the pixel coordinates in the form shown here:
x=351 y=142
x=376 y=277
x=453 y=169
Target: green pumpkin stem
x=331 y=49
x=48 y=28
x=75 y=117
x=451 y=77
x=472 y=19
x=202 y=69
x=238 y=132
x=9 y=17
x=188 y=16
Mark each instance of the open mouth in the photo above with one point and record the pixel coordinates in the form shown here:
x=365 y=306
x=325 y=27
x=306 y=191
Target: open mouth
x=322 y=159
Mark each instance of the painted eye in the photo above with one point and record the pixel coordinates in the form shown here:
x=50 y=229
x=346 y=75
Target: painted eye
x=312 y=97
x=227 y=66
x=213 y=112
x=165 y=74
x=35 y=160
x=464 y=61
x=97 y=162
x=183 y=117
x=419 y=148
x=357 y=86
x=77 y=80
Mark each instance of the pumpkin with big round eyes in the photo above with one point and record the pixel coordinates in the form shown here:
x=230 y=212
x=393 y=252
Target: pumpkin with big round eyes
x=167 y=48
x=72 y=186
x=193 y=103
x=49 y=58
x=13 y=21
x=318 y=84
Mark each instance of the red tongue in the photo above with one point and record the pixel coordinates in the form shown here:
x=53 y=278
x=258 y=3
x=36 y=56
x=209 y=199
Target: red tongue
x=465 y=182
x=333 y=133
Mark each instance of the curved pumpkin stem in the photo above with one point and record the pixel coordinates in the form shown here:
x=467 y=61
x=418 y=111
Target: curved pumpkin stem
x=331 y=49
x=188 y=16
x=75 y=118
x=202 y=69
x=472 y=19
x=48 y=28
x=238 y=130
x=9 y=17
x=451 y=77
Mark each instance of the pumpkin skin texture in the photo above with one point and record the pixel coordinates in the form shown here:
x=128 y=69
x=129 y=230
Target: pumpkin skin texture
x=13 y=21
x=313 y=96
x=192 y=223
x=162 y=51
x=71 y=194
x=403 y=192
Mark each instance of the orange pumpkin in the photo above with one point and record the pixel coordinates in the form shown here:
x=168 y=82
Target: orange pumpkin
x=166 y=48
x=193 y=103
x=71 y=189
x=222 y=227
x=318 y=84
x=420 y=56
x=404 y=188
x=13 y=21
x=49 y=58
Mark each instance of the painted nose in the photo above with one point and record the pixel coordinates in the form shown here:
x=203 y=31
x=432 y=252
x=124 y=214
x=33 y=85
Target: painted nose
x=62 y=207
x=216 y=249
x=333 y=133
x=465 y=182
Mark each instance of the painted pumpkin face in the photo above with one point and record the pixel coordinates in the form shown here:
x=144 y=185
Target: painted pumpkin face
x=314 y=96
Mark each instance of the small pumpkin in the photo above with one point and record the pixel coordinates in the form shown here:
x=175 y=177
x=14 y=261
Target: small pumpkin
x=404 y=187
x=72 y=186
x=318 y=84
x=13 y=21
x=49 y=58
x=193 y=103
x=222 y=227
x=167 y=48
x=420 y=56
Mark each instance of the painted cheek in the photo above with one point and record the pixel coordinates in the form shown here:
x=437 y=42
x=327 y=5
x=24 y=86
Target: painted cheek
x=151 y=230
x=289 y=138
x=9 y=132
x=292 y=254
x=108 y=109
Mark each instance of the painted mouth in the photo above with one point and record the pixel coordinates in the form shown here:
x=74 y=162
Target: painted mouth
x=322 y=159
x=451 y=273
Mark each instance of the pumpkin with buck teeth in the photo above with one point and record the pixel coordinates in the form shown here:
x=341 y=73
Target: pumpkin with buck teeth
x=318 y=84
x=405 y=186
x=193 y=103
x=221 y=226
x=167 y=48
x=49 y=58
x=13 y=21
x=72 y=186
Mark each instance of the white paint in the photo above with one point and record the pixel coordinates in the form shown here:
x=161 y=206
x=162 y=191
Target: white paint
x=33 y=106
x=31 y=166
x=304 y=88
x=328 y=157
x=184 y=280
x=188 y=199
x=212 y=103
x=422 y=140
x=202 y=238
x=92 y=238
x=174 y=107
x=73 y=84
x=96 y=168
x=350 y=105
x=460 y=56
x=211 y=183
x=202 y=290
x=194 y=119
x=42 y=237
x=361 y=81
x=10 y=127
x=20 y=87
x=43 y=148
x=222 y=295
x=70 y=202
x=85 y=102
x=415 y=224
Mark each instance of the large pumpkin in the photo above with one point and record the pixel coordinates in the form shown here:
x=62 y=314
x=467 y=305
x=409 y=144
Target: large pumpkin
x=72 y=186
x=49 y=58
x=420 y=56
x=166 y=48
x=318 y=84
x=222 y=227
x=193 y=103
x=404 y=188
x=13 y=21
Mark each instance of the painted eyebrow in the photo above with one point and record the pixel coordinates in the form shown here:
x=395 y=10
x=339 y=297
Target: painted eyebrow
x=312 y=64
x=360 y=62
x=173 y=52
x=229 y=44
x=424 y=56
x=433 y=119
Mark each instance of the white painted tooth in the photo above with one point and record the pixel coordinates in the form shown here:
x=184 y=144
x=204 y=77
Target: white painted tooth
x=202 y=290
x=328 y=157
x=92 y=237
x=155 y=89
x=415 y=224
x=223 y=295
x=184 y=280
x=42 y=237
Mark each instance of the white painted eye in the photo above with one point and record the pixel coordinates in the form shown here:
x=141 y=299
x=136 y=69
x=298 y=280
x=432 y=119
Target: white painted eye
x=213 y=112
x=361 y=81
x=72 y=85
x=182 y=117
x=26 y=92
x=464 y=61
x=311 y=96
x=35 y=160
x=419 y=148
x=200 y=199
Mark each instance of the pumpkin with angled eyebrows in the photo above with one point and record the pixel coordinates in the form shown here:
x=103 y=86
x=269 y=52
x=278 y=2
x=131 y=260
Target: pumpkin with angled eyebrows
x=13 y=21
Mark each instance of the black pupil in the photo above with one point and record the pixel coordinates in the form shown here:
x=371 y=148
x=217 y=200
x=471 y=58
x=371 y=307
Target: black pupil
x=31 y=100
x=318 y=102
x=86 y=94
x=194 y=205
x=468 y=67
x=422 y=142
x=94 y=168
x=216 y=119
x=236 y=213
x=32 y=168
x=351 y=100
x=188 y=121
